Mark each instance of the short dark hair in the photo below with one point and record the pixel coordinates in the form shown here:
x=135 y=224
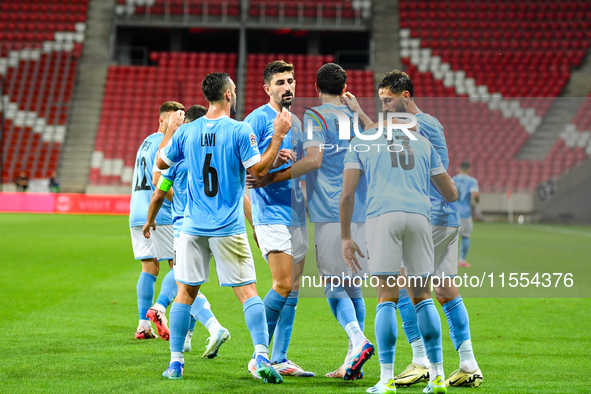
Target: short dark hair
x=397 y=82
x=171 y=106
x=195 y=112
x=331 y=79
x=465 y=166
x=214 y=86
x=276 y=67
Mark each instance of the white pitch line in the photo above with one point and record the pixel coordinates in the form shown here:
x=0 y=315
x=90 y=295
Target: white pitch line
x=557 y=230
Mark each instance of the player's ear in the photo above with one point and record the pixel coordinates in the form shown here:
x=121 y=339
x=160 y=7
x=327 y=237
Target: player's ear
x=344 y=90
x=316 y=87
x=267 y=89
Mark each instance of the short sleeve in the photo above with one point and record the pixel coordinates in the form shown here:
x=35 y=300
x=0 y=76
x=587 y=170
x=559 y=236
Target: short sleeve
x=169 y=173
x=257 y=124
x=352 y=161
x=155 y=167
x=316 y=136
x=436 y=167
x=173 y=152
x=247 y=145
x=474 y=187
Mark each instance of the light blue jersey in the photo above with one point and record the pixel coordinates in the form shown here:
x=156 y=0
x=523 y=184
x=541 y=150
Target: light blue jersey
x=323 y=186
x=178 y=176
x=397 y=181
x=443 y=213
x=465 y=185
x=298 y=204
x=272 y=204
x=142 y=187
x=217 y=153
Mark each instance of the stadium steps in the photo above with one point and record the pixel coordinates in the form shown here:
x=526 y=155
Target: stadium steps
x=569 y=202
x=85 y=112
x=562 y=111
x=386 y=41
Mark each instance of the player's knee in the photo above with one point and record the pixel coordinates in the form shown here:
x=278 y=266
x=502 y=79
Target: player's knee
x=283 y=287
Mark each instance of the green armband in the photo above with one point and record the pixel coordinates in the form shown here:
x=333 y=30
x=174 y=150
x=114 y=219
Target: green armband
x=164 y=184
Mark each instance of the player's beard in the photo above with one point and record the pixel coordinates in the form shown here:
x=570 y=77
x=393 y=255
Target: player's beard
x=286 y=104
x=233 y=108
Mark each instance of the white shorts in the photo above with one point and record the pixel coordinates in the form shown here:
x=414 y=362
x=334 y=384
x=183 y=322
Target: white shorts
x=159 y=245
x=232 y=256
x=395 y=237
x=445 y=243
x=291 y=240
x=329 y=250
x=466 y=227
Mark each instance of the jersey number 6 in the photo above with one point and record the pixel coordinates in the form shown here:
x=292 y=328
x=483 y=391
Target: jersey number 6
x=210 y=187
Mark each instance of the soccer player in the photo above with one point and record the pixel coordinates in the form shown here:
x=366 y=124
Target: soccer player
x=396 y=93
x=323 y=167
x=280 y=222
x=158 y=248
x=217 y=151
x=397 y=169
x=468 y=192
x=176 y=177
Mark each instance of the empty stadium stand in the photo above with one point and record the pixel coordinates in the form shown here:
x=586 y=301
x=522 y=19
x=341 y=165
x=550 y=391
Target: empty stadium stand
x=133 y=95
x=179 y=7
x=285 y=8
x=502 y=65
x=40 y=43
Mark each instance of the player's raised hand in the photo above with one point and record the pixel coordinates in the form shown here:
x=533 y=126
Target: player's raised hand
x=283 y=157
x=349 y=248
x=175 y=120
x=351 y=101
x=146 y=229
x=282 y=122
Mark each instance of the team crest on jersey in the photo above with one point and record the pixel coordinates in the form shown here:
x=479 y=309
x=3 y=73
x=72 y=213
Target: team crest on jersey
x=253 y=140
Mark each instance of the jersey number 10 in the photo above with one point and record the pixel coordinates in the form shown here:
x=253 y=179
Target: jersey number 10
x=405 y=155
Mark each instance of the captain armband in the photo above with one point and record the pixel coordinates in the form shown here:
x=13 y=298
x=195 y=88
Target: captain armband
x=164 y=184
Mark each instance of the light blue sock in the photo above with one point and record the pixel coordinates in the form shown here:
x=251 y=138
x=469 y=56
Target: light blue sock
x=430 y=328
x=341 y=305
x=201 y=309
x=386 y=332
x=274 y=303
x=180 y=318
x=168 y=290
x=256 y=321
x=193 y=322
x=284 y=328
x=145 y=293
x=409 y=316
x=464 y=248
x=358 y=303
x=458 y=320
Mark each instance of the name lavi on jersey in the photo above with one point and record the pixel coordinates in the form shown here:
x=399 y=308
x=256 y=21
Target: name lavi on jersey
x=208 y=139
x=346 y=124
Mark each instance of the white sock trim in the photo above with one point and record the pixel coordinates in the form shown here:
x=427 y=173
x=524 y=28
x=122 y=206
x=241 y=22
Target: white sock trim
x=159 y=307
x=212 y=325
x=145 y=323
x=354 y=332
x=386 y=372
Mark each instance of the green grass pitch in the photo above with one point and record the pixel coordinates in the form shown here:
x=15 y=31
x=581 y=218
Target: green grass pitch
x=68 y=317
